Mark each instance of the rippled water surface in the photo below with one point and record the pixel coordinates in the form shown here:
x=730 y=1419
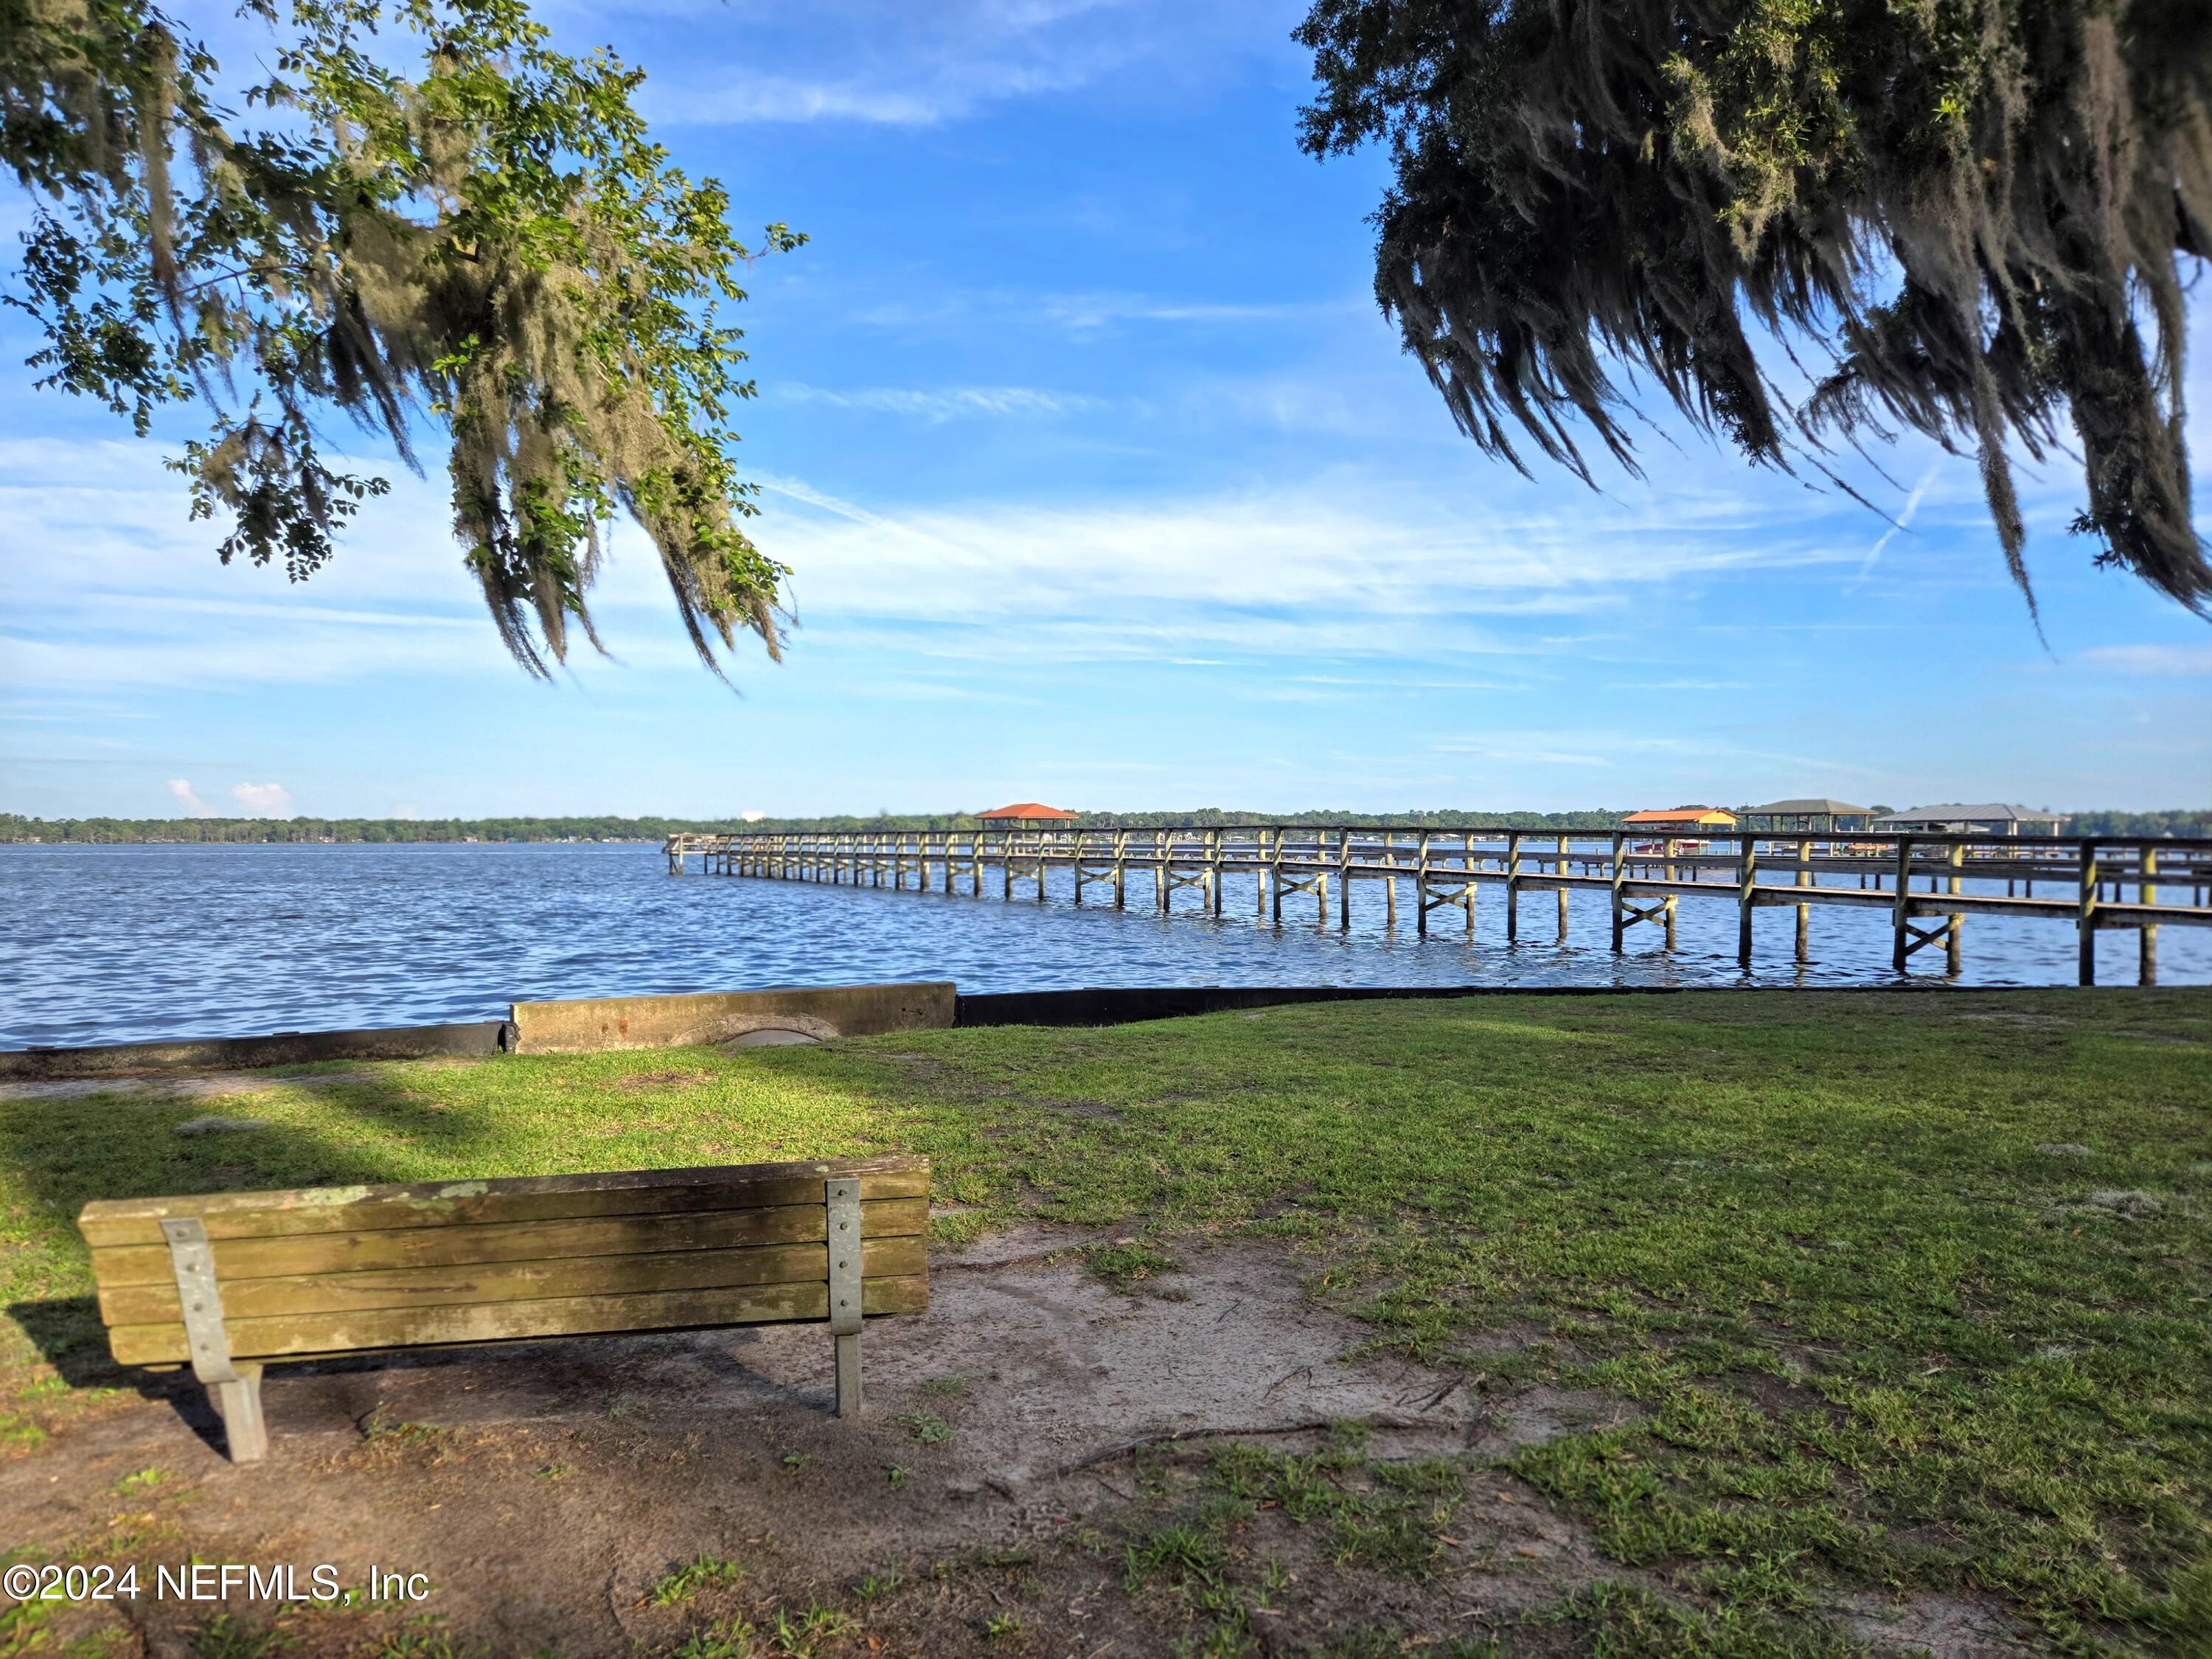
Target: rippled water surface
x=123 y=944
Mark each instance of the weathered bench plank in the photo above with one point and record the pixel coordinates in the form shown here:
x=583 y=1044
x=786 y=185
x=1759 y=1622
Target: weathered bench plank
x=228 y=1282
x=525 y=1241
x=526 y=1198
x=511 y=1281
x=321 y=1334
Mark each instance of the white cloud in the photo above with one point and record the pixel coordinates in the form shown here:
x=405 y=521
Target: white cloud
x=1901 y=523
x=1337 y=562
x=1510 y=752
x=263 y=800
x=123 y=593
x=125 y=648
x=110 y=586
x=2150 y=660
x=193 y=806
x=958 y=403
x=774 y=99
x=891 y=62
x=1609 y=746
x=97 y=519
x=1085 y=314
x=1092 y=311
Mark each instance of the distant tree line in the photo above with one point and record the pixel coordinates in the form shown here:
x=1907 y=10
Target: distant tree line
x=2180 y=821
x=15 y=828
x=189 y=831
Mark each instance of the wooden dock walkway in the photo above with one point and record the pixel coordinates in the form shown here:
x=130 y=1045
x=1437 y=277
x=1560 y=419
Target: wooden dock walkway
x=2092 y=883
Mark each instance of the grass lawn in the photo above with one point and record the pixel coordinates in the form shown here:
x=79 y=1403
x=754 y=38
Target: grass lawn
x=1908 y=1290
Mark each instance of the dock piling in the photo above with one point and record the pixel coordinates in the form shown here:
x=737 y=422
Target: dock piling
x=2134 y=883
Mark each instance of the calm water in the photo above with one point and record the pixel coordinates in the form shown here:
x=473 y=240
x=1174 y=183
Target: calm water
x=123 y=944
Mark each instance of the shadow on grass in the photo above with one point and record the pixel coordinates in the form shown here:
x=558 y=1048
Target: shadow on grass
x=60 y=1154
x=363 y=1130
x=67 y=1333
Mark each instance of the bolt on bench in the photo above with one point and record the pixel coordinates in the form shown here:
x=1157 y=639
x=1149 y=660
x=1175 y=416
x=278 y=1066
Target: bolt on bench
x=228 y=1282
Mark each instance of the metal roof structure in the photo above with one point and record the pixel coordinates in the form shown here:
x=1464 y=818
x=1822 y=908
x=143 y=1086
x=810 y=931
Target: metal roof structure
x=1026 y=812
x=1918 y=817
x=1704 y=817
x=1812 y=809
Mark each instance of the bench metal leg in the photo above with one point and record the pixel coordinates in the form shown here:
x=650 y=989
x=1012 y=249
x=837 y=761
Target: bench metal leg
x=238 y=1401
x=235 y=1390
x=848 y=1375
x=841 y=1226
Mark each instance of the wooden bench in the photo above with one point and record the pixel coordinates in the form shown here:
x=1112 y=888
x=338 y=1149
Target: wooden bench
x=228 y=1282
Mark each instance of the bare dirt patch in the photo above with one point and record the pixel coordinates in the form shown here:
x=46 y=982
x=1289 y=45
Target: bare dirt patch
x=615 y=1496
x=164 y=1087
x=1952 y=1624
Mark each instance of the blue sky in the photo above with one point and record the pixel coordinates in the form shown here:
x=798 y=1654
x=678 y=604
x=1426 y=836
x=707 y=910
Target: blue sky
x=1104 y=483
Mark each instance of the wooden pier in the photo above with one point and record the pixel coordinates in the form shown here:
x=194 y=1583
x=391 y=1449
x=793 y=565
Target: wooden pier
x=1921 y=880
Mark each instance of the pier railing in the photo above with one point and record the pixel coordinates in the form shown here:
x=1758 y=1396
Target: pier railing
x=1929 y=883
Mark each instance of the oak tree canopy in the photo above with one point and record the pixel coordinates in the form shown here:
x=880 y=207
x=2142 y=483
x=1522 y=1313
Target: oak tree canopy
x=489 y=246
x=1966 y=218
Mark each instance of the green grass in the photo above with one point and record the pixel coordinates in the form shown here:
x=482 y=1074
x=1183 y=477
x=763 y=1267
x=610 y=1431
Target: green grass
x=802 y=1637
x=702 y=1572
x=225 y=1637
x=926 y=1427
x=1385 y=1516
x=1876 y=1335
x=731 y=1639
x=1184 y=1553
x=1122 y=1268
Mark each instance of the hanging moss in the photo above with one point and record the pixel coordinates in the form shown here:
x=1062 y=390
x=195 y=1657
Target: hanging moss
x=494 y=248
x=1976 y=209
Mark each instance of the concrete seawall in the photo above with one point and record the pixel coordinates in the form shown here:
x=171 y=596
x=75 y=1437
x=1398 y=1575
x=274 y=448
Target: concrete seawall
x=478 y=1038
x=823 y=1011
x=583 y=1026
x=593 y=1024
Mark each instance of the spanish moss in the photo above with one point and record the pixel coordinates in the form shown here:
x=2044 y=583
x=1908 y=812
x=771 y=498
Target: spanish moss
x=492 y=248
x=1964 y=218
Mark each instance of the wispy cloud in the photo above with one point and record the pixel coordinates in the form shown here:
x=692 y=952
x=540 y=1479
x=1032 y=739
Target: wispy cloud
x=1520 y=753
x=1602 y=746
x=105 y=658
x=954 y=404
x=1337 y=565
x=194 y=807
x=889 y=62
x=775 y=99
x=1332 y=567
x=1898 y=526
x=1681 y=685
x=2150 y=660
x=1093 y=311
x=1084 y=315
